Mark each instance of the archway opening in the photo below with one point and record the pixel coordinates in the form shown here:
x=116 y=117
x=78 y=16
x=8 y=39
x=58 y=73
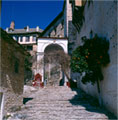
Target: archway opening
x=53 y=75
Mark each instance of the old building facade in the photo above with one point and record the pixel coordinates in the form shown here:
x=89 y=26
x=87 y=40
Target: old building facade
x=12 y=73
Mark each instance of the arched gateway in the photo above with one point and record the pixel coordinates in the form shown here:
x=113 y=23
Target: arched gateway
x=46 y=45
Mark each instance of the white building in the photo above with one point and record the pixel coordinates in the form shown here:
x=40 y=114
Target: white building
x=27 y=36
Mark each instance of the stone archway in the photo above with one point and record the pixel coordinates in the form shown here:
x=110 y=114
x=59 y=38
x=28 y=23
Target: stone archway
x=52 y=70
x=44 y=44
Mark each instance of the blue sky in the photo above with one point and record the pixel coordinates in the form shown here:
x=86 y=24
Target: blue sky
x=32 y=13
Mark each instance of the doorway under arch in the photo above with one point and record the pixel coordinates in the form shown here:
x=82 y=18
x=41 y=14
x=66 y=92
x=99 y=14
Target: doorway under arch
x=53 y=74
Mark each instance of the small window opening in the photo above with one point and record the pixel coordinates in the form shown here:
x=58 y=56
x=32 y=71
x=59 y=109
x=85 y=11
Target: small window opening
x=16 y=66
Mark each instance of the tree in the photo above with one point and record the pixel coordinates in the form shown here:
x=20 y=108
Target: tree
x=90 y=58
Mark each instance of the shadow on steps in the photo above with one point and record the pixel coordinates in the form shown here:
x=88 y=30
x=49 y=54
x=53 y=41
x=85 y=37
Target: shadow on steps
x=89 y=103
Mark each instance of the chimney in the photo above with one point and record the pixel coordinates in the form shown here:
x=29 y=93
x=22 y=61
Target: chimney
x=27 y=29
x=12 y=25
x=37 y=28
x=7 y=29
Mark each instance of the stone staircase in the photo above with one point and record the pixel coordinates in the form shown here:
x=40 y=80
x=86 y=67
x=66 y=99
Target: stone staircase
x=60 y=103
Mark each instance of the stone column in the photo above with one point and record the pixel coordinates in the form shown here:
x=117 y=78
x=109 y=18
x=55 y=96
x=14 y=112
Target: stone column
x=49 y=70
x=40 y=64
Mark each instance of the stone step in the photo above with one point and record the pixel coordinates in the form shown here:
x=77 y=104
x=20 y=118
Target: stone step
x=69 y=115
x=60 y=103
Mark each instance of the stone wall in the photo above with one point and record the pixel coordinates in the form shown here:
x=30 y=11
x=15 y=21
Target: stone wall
x=101 y=18
x=12 y=72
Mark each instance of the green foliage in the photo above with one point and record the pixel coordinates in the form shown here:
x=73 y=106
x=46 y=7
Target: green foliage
x=90 y=57
x=78 y=60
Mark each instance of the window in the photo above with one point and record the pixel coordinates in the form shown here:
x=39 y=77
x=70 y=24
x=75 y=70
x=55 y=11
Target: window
x=29 y=48
x=62 y=23
x=34 y=38
x=16 y=66
x=27 y=39
x=15 y=38
x=55 y=30
x=49 y=35
x=21 y=39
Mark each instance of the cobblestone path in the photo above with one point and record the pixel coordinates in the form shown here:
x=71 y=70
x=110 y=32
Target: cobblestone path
x=61 y=103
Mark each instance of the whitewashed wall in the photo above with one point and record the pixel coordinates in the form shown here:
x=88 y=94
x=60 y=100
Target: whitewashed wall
x=101 y=18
